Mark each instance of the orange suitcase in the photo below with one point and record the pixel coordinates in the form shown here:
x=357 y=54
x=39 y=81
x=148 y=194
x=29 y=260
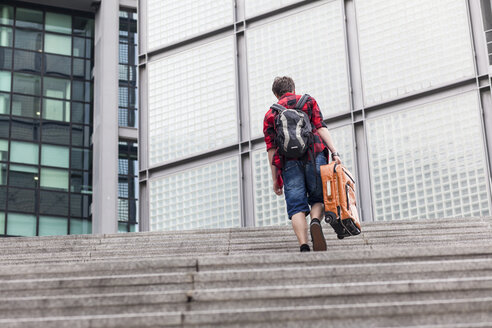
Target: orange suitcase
x=340 y=200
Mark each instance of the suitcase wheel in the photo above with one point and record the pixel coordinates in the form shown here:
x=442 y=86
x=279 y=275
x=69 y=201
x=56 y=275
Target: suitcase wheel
x=340 y=236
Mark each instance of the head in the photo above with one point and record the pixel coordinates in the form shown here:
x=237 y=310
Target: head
x=282 y=85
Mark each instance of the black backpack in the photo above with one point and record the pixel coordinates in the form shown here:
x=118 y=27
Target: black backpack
x=294 y=134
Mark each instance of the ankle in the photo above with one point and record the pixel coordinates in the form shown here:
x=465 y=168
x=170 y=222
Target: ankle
x=315 y=220
x=305 y=248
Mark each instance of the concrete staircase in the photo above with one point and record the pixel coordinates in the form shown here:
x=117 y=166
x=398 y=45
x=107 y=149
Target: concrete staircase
x=395 y=274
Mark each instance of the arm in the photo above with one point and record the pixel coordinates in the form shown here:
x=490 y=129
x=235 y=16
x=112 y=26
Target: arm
x=325 y=135
x=276 y=189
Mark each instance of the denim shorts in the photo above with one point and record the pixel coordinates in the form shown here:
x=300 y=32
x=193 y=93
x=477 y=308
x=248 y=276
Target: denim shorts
x=302 y=185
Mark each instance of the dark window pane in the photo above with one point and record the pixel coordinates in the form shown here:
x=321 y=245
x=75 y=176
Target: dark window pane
x=57 y=65
x=81 y=91
x=81 y=159
x=23 y=176
x=81 y=113
x=6 y=15
x=22 y=200
x=3 y=174
x=4 y=127
x=56 y=88
x=132 y=97
x=132 y=77
x=5 y=58
x=27 y=61
x=80 y=136
x=29 y=40
x=52 y=202
x=25 y=129
x=81 y=181
x=25 y=106
x=3 y=197
x=56 y=132
x=83 y=26
x=82 y=68
x=27 y=83
x=29 y=18
x=79 y=47
x=79 y=205
x=132 y=210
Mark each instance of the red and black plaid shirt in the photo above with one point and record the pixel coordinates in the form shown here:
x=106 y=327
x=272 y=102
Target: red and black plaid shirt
x=289 y=100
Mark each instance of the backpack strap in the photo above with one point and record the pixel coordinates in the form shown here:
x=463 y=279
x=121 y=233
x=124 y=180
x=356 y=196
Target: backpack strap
x=278 y=108
x=302 y=101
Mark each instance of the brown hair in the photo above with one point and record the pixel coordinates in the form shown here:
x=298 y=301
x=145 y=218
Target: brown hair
x=282 y=85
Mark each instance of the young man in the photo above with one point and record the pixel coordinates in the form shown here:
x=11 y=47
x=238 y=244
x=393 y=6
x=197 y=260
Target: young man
x=299 y=177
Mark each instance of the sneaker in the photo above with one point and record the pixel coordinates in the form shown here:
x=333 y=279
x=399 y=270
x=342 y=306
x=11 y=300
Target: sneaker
x=305 y=248
x=319 y=241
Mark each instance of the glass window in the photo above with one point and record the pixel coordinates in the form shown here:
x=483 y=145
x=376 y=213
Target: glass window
x=56 y=110
x=254 y=7
x=27 y=61
x=82 y=47
x=79 y=227
x=25 y=106
x=127 y=117
x=2 y=219
x=29 y=40
x=22 y=200
x=4 y=150
x=81 y=135
x=56 y=88
x=80 y=181
x=25 y=129
x=29 y=18
x=53 y=203
x=57 y=65
x=23 y=176
x=81 y=159
x=56 y=132
x=4 y=126
x=5 y=81
x=6 y=15
x=81 y=91
x=58 y=44
x=57 y=156
x=83 y=26
x=52 y=226
x=80 y=205
x=4 y=103
x=27 y=83
x=3 y=197
x=58 y=23
x=81 y=113
x=5 y=58
x=54 y=179
x=214 y=196
x=5 y=36
x=82 y=68
x=24 y=152
x=3 y=173
x=21 y=225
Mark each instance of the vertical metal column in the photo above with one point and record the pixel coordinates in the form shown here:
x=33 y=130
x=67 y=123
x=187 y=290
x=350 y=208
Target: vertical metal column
x=105 y=137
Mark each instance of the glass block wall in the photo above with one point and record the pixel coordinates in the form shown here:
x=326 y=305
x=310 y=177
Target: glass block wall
x=395 y=82
x=46 y=60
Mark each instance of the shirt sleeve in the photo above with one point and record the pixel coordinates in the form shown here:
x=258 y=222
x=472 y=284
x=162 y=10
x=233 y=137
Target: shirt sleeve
x=269 y=130
x=317 y=116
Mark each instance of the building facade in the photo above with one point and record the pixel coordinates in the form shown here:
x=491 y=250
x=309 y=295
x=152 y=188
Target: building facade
x=404 y=89
x=68 y=101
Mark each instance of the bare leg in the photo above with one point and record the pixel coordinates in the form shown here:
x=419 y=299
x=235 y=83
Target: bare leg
x=317 y=211
x=300 y=227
